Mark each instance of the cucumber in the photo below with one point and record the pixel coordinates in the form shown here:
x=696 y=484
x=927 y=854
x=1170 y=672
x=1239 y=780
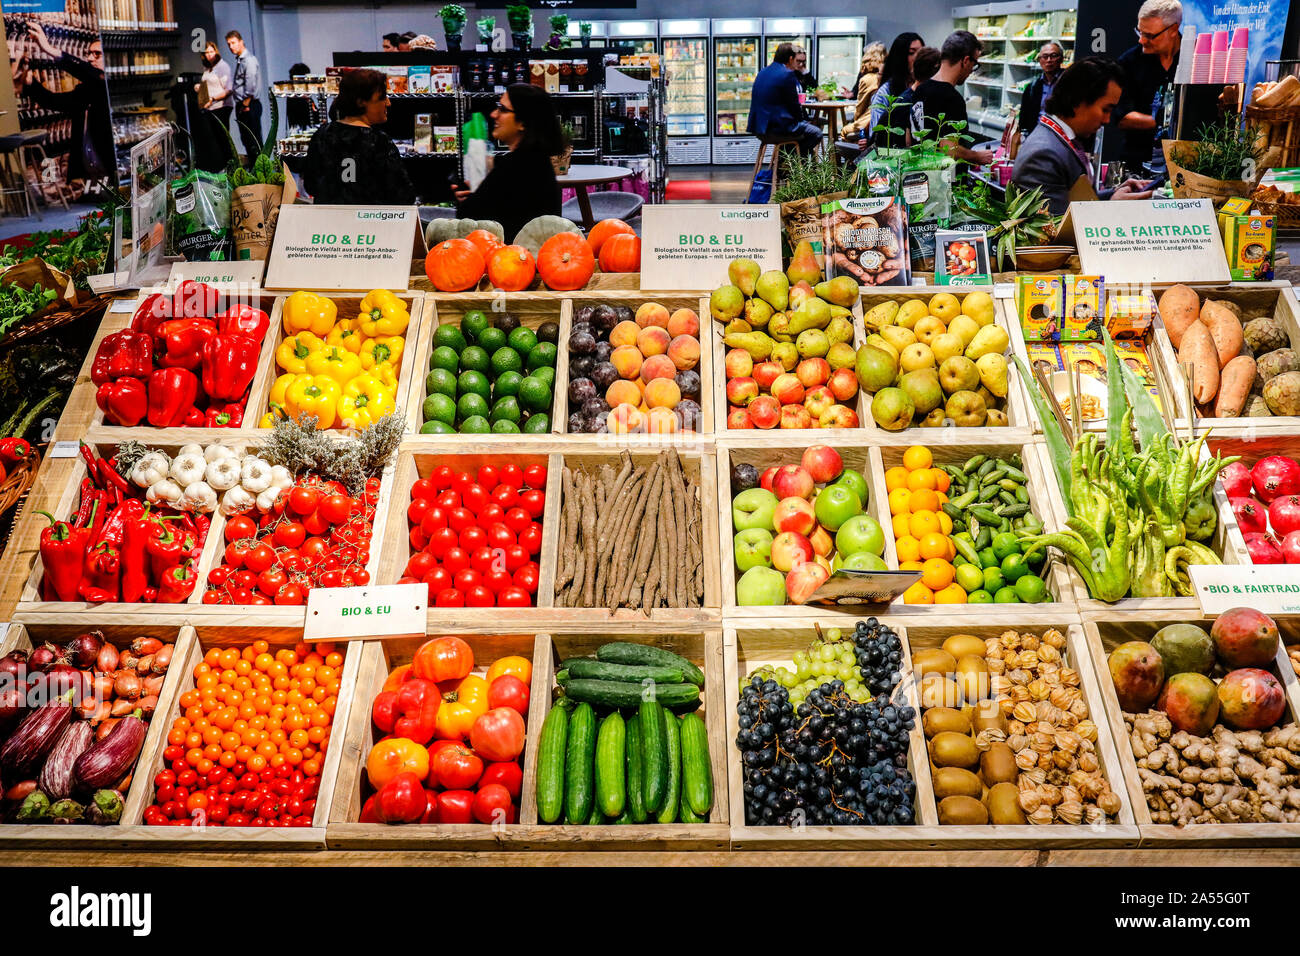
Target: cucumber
x=550 y=765
x=654 y=755
x=629 y=673
x=622 y=818
x=624 y=653
x=673 y=738
x=697 y=775
x=687 y=814
x=635 y=771
x=579 y=758
x=608 y=693
x=595 y=818
x=609 y=770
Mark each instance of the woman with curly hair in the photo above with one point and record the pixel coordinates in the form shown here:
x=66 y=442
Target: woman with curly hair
x=869 y=76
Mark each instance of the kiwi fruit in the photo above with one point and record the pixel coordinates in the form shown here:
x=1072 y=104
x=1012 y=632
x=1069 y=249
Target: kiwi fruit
x=964 y=645
x=973 y=677
x=937 y=720
x=932 y=660
x=954 y=750
x=1003 y=803
x=998 y=764
x=956 y=782
x=962 y=811
x=988 y=716
x=937 y=691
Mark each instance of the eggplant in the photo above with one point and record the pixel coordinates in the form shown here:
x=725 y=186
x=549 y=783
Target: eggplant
x=26 y=748
x=108 y=760
x=105 y=807
x=66 y=811
x=35 y=806
x=56 y=775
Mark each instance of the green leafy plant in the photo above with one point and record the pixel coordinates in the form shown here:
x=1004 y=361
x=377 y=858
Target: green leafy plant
x=808 y=176
x=519 y=16
x=453 y=18
x=1226 y=150
x=567 y=133
x=266 y=170
x=559 y=23
x=1020 y=219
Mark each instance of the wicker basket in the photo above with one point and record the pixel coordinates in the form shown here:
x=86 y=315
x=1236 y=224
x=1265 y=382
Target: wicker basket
x=52 y=320
x=14 y=490
x=1279 y=127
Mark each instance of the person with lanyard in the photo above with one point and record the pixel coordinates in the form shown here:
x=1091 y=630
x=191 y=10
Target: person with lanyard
x=247 y=87
x=1052 y=157
x=1149 y=69
x=1051 y=57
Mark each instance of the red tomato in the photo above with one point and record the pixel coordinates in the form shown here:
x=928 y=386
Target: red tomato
x=437 y=746
x=244 y=579
x=531 y=538
x=212 y=597
x=217 y=576
x=527 y=577
x=237 y=551
x=238 y=527
x=423 y=490
x=500 y=536
x=437 y=579
x=508 y=691
x=447 y=500
x=289 y=534
x=292 y=561
x=487 y=476
x=431 y=814
x=289 y=595
x=302 y=501
x=356 y=578
x=505 y=495
x=417 y=509
x=315 y=523
x=512 y=475
x=456 y=559
x=335 y=508
x=534 y=502
x=475 y=496
x=514 y=596
x=479 y=597
x=449 y=597
x=497 y=580
x=516 y=556
x=443 y=658
x=331 y=579
x=481 y=560
x=492 y=805
x=441 y=476
x=314 y=547
x=535 y=476
x=467 y=579
x=508 y=774
x=456 y=806
x=458 y=519
x=434 y=519
x=517 y=519
x=420 y=565
x=456 y=767
x=417 y=539
x=473 y=538
x=460 y=481
x=440 y=542
x=260 y=558
x=259 y=600
x=491 y=514
x=271 y=580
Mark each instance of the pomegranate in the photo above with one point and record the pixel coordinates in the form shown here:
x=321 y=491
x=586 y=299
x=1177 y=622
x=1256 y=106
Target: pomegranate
x=1263 y=549
x=1236 y=480
x=1250 y=514
x=1291 y=548
x=1275 y=475
x=1284 y=514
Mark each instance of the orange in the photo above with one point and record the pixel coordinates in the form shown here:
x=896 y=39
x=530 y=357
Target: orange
x=900 y=526
x=952 y=550
x=920 y=479
x=899 y=501
x=941 y=480
x=895 y=477
x=952 y=594
x=923 y=499
x=945 y=523
x=918 y=593
x=934 y=545
x=923 y=523
x=917 y=456
x=910 y=566
x=909 y=549
x=943 y=498
x=937 y=574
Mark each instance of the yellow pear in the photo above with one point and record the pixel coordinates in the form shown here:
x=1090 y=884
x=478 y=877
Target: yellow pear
x=842 y=290
x=911 y=311
x=991 y=338
x=800 y=292
x=878 y=316
x=897 y=336
x=774 y=289
x=839 y=330
x=917 y=355
x=964 y=327
x=743 y=273
x=929 y=328
x=786 y=354
x=737 y=325
x=779 y=327
x=805 y=265
x=841 y=355
x=758 y=313
x=979 y=306
x=944 y=305
x=946 y=345
x=879 y=342
x=992 y=367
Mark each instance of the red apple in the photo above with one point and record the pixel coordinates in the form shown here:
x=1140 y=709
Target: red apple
x=823 y=561
x=839 y=416
x=822 y=542
x=813 y=372
x=794 y=514
x=818 y=401
x=823 y=463
x=739 y=418
x=741 y=391
x=790 y=550
x=787 y=389
x=739 y=364
x=765 y=412
x=803 y=581
x=795 y=416
x=843 y=384
x=767 y=477
x=765 y=373
x=793 y=481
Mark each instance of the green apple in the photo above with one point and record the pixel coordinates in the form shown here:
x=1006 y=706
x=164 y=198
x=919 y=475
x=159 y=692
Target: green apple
x=860 y=533
x=854 y=480
x=753 y=509
x=753 y=549
x=835 y=505
x=761 y=587
x=861 y=561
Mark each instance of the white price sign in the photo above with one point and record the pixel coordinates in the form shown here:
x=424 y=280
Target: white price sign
x=385 y=610
x=344 y=247
x=239 y=274
x=689 y=247
x=1271 y=588
x=1145 y=241
x=63 y=449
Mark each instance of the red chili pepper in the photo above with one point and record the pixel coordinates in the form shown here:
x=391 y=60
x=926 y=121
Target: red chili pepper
x=102 y=574
x=151 y=313
x=111 y=478
x=14 y=451
x=86 y=501
x=115 y=524
x=63 y=552
x=230 y=416
x=183 y=340
x=98 y=515
x=124 y=401
x=410 y=711
x=177 y=584
x=172 y=392
x=135 y=559
x=245 y=320
x=229 y=364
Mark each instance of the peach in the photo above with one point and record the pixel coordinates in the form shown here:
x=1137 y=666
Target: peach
x=624 y=333
x=741 y=391
x=625 y=419
x=764 y=412
x=652 y=314
x=684 y=351
x=739 y=418
x=622 y=392
x=661 y=421
x=818 y=401
x=652 y=340
x=813 y=372
x=662 y=393
x=639 y=382
x=787 y=389
x=795 y=416
x=843 y=384
x=765 y=373
x=658 y=366
x=738 y=363
x=627 y=359
x=683 y=322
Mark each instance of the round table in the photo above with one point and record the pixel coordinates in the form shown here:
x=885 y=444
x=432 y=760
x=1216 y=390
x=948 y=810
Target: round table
x=580 y=177
x=833 y=109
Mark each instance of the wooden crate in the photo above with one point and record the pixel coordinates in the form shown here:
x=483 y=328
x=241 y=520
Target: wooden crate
x=712 y=415
x=532 y=309
x=703 y=648
x=1112 y=629
x=223 y=635
x=350 y=786
x=131 y=829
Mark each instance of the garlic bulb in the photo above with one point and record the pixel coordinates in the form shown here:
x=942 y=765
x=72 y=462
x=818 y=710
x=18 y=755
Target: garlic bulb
x=188 y=468
x=218 y=452
x=237 y=500
x=255 y=475
x=281 y=477
x=222 y=473
x=150 y=469
x=199 y=496
x=164 y=491
x=266 y=499
x=190 y=449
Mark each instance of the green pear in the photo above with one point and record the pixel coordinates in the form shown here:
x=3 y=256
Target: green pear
x=876 y=368
x=839 y=330
x=812 y=343
x=787 y=354
x=841 y=355
x=726 y=303
x=842 y=290
x=757 y=312
x=774 y=288
x=737 y=325
x=757 y=344
x=815 y=314
x=743 y=274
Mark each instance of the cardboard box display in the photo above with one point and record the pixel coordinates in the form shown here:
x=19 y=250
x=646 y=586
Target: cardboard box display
x=1130 y=314
x=1249 y=241
x=1040 y=303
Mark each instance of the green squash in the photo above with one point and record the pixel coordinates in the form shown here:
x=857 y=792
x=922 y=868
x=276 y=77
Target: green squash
x=537 y=231
x=439 y=230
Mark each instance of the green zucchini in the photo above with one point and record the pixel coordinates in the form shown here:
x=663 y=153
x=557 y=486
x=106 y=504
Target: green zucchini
x=654 y=755
x=550 y=765
x=697 y=774
x=579 y=758
x=629 y=673
x=622 y=652
x=610 y=781
x=673 y=739
x=608 y=693
x=635 y=771
x=624 y=817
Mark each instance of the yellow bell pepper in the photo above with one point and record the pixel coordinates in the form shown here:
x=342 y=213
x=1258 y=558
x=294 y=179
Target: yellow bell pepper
x=382 y=351
x=267 y=420
x=383 y=314
x=387 y=374
x=291 y=354
x=281 y=386
x=346 y=335
x=309 y=312
x=316 y=395
x=339 y=364
x=365 y=400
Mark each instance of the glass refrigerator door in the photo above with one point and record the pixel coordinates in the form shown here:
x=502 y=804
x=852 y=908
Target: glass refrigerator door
x=838 y=60
x=804 y=41
x=686 y=62
x=735 y=64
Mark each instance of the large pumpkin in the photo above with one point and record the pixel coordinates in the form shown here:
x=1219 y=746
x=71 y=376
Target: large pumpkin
x=485 y=242
x=566 y=262
x=603 y=230
x=621 y=253
x=511 y=268
x=454 y=265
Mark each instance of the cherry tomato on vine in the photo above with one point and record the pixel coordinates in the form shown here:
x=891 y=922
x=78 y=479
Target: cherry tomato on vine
x=335 y=508
x=260 y=558
x=239 y=526
x=289 y=534
x=302 y=501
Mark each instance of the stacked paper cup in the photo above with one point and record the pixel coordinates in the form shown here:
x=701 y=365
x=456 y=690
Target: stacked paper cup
x=1237 y=56
x=1218 y=57
x=1201 y=60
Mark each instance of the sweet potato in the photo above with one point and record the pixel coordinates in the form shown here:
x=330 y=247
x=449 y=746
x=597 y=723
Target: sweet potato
x=1179 y=308
x=1234 y=387
x=1198 y=348
x=1225 y=329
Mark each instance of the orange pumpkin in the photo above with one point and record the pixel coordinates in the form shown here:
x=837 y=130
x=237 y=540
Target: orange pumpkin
x=565 y=262
x=454 y=265
x=603 y=230
x=621 y=253
x=511 y=268
x=485 y=242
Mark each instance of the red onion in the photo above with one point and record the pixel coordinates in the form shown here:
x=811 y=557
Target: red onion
x=12 y=698
x=43 y=658
x=106 y=662
x=127 y=684
x=63 y=677
x=15 y=663
x=144 y=664
x=83 y=650
x=146 y=645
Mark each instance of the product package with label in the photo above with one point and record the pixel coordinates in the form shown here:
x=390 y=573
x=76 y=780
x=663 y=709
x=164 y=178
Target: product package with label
x=1130 y=314
x=1084 y=304
x=1040 y=303
x=1249 y=241
x=867 y=239
x=961 y=258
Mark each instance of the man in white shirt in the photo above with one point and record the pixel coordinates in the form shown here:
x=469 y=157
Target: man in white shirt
x=247 y=89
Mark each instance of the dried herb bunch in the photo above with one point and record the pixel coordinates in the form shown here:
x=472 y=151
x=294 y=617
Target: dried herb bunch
x=301 y=447
x=1226 y=150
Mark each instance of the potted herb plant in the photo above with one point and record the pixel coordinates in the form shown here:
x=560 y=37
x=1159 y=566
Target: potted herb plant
x=1226 y=161
x=520 y=18
x=486 y=27
x=559 y=31
x=584 y=32
x=453 y=24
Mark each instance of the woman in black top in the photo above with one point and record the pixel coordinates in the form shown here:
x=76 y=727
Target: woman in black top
x=521 y=185
x=348 y=162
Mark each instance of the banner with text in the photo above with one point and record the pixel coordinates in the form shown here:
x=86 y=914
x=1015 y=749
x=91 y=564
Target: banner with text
x=688 y=247
x=1157 y=240
x=343 y=248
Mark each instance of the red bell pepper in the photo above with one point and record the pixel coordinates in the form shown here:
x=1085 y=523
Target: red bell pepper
x=183 y=341
x=151 y=313
x=410 y=711
x=123 y=402
x=172 y=392
x=229 y=364
x=368 y=811
x=401 y=800
x=63 y=552
x=168 y=546
x=135 y=557
x=14 y=451
x=102 y=576
x=121 y=354
x=194 y=300
x=244 y=320
x=230 y=416
x=177 y=583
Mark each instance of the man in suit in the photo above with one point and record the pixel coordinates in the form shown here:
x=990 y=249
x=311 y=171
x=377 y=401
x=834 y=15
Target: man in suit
x=1053 y=158
x=1050 y=59
x=774 y=107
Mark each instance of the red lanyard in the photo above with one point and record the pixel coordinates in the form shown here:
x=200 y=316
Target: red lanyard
x=1051 y=123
